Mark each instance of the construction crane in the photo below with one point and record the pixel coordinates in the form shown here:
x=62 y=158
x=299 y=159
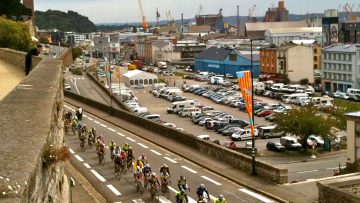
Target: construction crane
x=145 y=25
x=157 y=18
x=350 y=16
x=251 y=11
x=169 y=17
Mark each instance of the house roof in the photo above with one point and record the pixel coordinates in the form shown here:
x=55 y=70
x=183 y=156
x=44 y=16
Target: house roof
x=214 y=53
x=262 y=26
x=132 y=73
x=303 y=41
x=341 y=48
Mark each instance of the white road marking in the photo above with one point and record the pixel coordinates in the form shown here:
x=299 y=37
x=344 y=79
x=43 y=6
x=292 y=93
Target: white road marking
x=342 y=167
x=155 y=152
x=85 y=116
x=111 y=129
x=257 y=196
x=87 y=165
x=212 y=197
x=163 y=199
x=79 y=158
x=97 y=122
x=103 y=125
x=138 y=201
x=113 y=189
x=170 y=160
x=191 y=200
x=132 y=140
x=211 y=180
x=307 y=171
x=107 y=147
x=144 y=146
x=71 y=151
x=121 y=134
x=102 y=179
x=74 y=82
x=189 y=169
x=90 y=118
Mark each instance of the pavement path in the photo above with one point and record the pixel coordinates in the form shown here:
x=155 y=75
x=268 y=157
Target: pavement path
x=10 y=76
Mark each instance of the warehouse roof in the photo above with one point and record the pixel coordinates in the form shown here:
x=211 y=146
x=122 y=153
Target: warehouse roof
x=294 y=30
x=214 y=53
x=341 y=48
x=262 y=26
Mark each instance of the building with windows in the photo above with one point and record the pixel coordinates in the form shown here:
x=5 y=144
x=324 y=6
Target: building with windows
x=189 y=48
x=295 y=61
x=279 y=36
x=146 y=50
x=340 y=67
x=226 y=61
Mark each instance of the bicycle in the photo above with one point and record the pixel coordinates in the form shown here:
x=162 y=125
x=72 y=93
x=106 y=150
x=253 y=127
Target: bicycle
x=139 y=186
x=117 y=171
x=164 y=188
x=101 y=158
x=82 y=145
x=154 y=193
x=146 y=180
x=123 y=166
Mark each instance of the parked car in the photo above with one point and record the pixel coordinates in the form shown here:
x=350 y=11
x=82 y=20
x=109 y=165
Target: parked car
x=275 y=146
x=243 y=134
x=290 y=143
x=264 y=113
x=67 y=86
x=312 y=139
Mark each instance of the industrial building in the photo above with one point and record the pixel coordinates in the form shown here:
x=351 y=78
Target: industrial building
x=278 y=14
x=279 y=36
x=216 y=22
x=226 y=61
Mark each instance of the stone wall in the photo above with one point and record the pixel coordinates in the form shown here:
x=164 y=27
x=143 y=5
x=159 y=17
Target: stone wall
x=236 y=159
x=31 y=118
x=17 y=58
x=333 y=191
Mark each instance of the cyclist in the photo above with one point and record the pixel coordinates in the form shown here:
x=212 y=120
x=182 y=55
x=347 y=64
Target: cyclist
x=93 y=131
x=137 y=164
x=183 y=186
x=130 y=157
x=126 y=147
x=138 y=174
x=100 y=138
x=143 y=159
x=147 y=174
x=117 y=150
x=180 y=196
x=154 y=184
x=200 y=192
x=165 y=168
x=221 y=199
x=164 y=177
x=112 y=146
x=117 y=161
x=79 y=112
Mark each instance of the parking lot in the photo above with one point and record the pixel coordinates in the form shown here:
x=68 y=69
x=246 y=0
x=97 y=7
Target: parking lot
x=159 y=106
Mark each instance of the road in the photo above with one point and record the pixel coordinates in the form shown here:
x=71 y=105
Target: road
x=102 y=177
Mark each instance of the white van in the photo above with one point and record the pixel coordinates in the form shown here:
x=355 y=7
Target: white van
x=293 y=97
x=302 y=101
x=177 y=106
x=268 y=131
x=276 y=86
x=293 y=88
x=157 y=86
x=152 y=116
x=204 y=73
x=187 y=112
x=166 y=93
x=324 y=101
x=259 y=86
x=353 y=92
x=140 y=110
x=173 y=94
x=243 y=134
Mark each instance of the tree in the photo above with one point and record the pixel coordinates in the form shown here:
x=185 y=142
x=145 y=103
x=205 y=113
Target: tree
x=13 y=8
x=76 y=52
x=14 y=35
x=303 y=122
x=134 y=29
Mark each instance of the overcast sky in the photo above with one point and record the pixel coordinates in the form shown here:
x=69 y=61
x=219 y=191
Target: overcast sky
x=122 y=11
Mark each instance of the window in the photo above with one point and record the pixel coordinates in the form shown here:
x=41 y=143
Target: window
x=232 y=57
x=315 y=58
x=315 y=51
x=315 y=66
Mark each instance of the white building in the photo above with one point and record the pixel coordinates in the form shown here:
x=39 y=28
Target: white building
x=280 y=36
x=232 y=43
x=138 y=77
x=340 y=67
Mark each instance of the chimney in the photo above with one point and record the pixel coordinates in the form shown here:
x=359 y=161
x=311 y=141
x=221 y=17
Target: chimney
x=281 y=5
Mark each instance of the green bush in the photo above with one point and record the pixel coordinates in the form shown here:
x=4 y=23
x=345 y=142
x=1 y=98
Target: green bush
x=76 y=71
x=14 y=35
x=76 y=52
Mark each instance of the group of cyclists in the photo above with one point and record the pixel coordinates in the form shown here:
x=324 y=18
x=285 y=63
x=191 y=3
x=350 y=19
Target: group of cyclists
x=124 y=160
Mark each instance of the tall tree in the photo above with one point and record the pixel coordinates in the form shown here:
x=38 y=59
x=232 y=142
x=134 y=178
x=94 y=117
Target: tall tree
x=303 y=122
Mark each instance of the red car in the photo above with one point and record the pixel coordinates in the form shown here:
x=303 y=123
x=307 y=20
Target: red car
x=264 y=113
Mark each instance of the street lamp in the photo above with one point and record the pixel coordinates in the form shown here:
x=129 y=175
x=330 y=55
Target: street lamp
x=253 y=153
x=110 y=89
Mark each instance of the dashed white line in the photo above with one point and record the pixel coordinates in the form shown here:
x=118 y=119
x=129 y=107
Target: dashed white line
x=189 y=169
x=103 y=125
x=257 y=196
x=85 y=116
x=138 y=201
x=307 y=171
x=191 y=200
x=342 y=167
x=90 y=118
x=132 y=140
x=155 y=152
x=121 y=134
x=163 y=199
x=173 y=161
x=71 y=151
x=144 y=146
x=111 y=129
x=97 y=122
x=87 y=165
x=102 y=179
x=211 y=180
x=79 y=158
x=113 y=189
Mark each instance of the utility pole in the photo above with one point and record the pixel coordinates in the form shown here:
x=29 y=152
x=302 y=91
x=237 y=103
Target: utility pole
x=253 y=152
x=182 y=24
x=238 y=21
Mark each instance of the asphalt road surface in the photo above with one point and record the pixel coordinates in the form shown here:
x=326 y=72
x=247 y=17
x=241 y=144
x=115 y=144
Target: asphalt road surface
x=103 y=179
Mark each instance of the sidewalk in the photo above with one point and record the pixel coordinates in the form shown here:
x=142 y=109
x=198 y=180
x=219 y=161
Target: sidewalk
x=279 y=193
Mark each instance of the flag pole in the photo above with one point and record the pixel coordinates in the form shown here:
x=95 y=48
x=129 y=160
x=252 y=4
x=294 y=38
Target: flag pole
x=253 y=152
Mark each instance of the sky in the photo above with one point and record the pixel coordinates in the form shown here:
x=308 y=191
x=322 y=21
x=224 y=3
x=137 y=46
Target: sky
x=127 y=11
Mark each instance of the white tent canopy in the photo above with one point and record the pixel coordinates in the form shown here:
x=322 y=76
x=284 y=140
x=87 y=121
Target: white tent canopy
x=138 y=77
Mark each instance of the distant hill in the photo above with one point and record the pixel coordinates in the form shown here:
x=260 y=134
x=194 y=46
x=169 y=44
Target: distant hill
x=70 y=21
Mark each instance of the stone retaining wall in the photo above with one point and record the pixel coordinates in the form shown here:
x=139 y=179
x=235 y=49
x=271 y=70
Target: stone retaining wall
x=17 y=58
x=31 y=118
x=231 y=157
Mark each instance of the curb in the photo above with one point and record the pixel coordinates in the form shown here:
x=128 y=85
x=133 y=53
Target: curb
x=276 y=198
x=306 y=160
